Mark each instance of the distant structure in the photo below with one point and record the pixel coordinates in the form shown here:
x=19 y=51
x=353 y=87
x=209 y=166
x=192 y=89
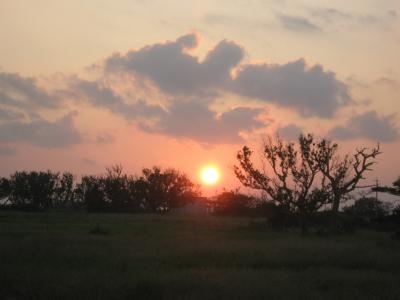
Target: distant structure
x=5 y=201
x=200 y=205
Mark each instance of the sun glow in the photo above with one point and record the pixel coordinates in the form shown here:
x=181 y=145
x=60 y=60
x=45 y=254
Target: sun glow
x=209 y=175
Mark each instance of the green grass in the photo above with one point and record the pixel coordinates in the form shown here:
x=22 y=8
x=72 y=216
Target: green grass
x=69 y=256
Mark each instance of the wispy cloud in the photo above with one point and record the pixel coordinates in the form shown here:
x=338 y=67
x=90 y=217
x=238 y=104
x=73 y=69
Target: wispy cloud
x=297 y=23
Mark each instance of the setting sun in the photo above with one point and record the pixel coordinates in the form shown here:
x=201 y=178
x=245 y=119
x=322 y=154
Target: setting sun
x=209 y=175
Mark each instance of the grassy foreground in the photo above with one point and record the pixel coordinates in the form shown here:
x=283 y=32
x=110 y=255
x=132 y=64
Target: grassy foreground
x=61 y=256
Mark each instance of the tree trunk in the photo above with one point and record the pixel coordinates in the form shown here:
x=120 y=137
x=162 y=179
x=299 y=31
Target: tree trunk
x=335 y=212
x=303 y=223
x=336 y=203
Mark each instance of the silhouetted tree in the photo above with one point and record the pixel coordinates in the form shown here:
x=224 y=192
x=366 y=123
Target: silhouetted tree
x=166 y=189
x=116 y=188
x=64 y=190
x=288 y=182
x=90 y=192
x=156 y=190
x=138 y=190
x=5 y=188
x=34 y=190
x=342 y=173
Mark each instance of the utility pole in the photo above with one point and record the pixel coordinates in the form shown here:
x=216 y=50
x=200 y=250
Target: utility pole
x=376 y=186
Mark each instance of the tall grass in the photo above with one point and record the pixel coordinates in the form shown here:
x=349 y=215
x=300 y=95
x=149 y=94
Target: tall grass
x=60 y=256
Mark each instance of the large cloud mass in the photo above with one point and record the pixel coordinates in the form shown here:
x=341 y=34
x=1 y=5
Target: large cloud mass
x=169 y=66
x=187 y=88
x=174 y=70
x=312 y=91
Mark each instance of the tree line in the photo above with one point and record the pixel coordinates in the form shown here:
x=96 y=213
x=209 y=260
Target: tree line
x=301 y=184
x=154 y=190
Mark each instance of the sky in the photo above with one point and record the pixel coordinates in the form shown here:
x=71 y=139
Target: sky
x=87 y=84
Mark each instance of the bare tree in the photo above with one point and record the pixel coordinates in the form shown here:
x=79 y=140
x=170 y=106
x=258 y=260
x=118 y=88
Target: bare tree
x=292 y=172
x=342 y=173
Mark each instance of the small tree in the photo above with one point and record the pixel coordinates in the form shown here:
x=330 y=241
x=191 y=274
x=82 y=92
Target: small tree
x=367 y=209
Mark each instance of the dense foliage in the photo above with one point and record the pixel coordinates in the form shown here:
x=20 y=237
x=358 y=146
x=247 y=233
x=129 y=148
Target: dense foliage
x=154 y=191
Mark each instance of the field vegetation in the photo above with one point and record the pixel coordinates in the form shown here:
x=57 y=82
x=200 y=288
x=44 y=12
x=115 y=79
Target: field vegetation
x=125 y=256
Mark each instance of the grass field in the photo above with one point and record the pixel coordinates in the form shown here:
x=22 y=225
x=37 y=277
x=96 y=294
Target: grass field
x=62 y=256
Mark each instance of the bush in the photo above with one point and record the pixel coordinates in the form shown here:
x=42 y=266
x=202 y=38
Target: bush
x=278 y=216
x=367 y=212
x=233 y=203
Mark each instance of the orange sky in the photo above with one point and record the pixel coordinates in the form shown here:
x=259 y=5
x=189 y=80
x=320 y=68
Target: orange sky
x=87 y=85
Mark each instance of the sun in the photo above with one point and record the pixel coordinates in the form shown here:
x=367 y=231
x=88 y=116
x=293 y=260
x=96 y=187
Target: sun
x=209 y=175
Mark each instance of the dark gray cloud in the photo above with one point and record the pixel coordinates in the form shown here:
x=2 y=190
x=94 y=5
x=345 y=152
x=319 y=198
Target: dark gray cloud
x=176 y=71
x=290 y=132
x=368 y=125
x=7 y=151
x=97 y=94
x=195 y=121
x=297 y=23
x=58 y=134
x=312 y=91
x=24 y=93
x=103 y=96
